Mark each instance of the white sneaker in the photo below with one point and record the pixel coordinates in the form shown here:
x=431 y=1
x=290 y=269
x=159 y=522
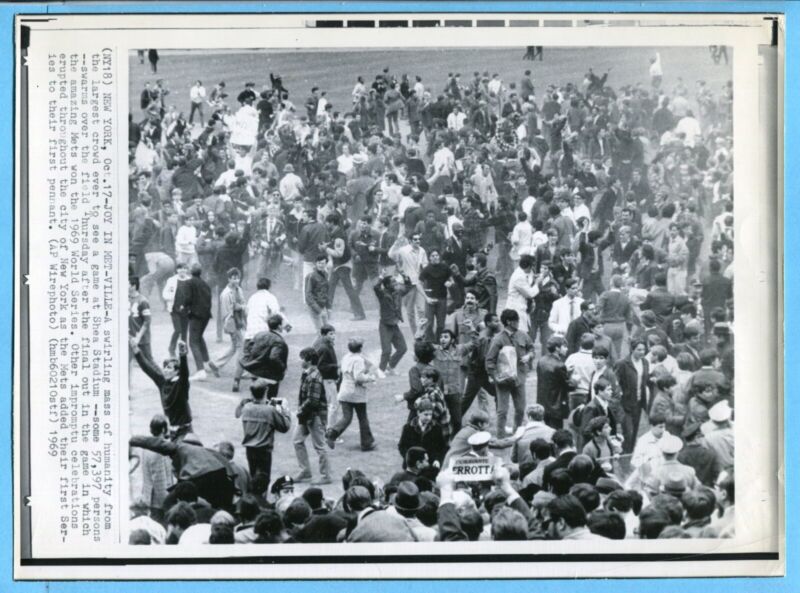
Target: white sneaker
x=381 y=374
x=199 y=376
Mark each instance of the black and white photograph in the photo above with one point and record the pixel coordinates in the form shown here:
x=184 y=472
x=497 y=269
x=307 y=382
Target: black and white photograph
x=406 y=294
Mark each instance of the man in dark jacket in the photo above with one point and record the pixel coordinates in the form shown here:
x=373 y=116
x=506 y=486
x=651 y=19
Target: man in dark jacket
x=364 y=246
x=316 y=292
x=328 y=365
x=483 y=282
x=717 y=291
x=173 y=386
x=552 y=382
x=662 y=302
x=340 y=254
x=583 y=324
x=390 y=295
x=312 y=241
x=434 y=277
x=266 y=355
x=193 y=303
x=633 y=374
x=211 y=473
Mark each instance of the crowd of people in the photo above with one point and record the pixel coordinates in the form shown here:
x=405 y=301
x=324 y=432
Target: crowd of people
x=578 y=235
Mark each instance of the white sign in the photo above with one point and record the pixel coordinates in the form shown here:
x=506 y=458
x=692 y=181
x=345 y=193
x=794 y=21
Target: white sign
x=473 y=469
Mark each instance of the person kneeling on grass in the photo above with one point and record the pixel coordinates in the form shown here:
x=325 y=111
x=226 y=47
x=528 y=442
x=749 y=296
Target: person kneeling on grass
x=357 y=373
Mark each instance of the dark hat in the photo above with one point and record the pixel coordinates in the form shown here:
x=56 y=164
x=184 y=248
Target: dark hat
x=690 y=430
x=314 y=497
x=281 y=483
x=607 y=485
x=407 y=497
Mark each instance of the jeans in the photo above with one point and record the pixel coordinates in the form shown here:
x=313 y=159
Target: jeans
x=259 y=460
x=393 y=123
x=367 y=440
x=236 y=343
x=320 y=318
x=196 y=107
x=391 y=335
x=342 y=274
x=197 y=343
x=414 y=304
x=477 y=384
x=453 y=401
x=316 y=428
x=516 y=393
x=329 y=385
x=435 y=312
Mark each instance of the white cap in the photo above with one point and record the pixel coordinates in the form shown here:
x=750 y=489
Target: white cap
x=479 y=439
x=670 y=444
x=720 y=411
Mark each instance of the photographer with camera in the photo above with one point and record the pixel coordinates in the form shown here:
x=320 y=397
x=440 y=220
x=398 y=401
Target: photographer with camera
x=261 y=417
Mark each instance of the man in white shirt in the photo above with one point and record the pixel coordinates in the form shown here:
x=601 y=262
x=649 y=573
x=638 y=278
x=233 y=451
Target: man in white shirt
x=495 y=84
x=647 y=446
x=419 y=88
x=580 y=367
x=566 y=309
x=411 y=258
x=168 y=294
x=656 y=73
x=521 y=288
x=185 y=242
x=444 y=161
x=691 y=128
x=456 y=119
x=197 y=95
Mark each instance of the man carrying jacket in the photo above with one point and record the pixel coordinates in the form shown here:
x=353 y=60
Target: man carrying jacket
x=265 y=356
x=509 y=387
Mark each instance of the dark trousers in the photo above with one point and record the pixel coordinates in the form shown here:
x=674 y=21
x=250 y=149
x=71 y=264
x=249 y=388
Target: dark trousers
x=178 y=331
x=217 y=488
x=453 y=401
x=198 y=107
x=367 y=440
x=343 y=274
x=474 y=384
x=391 y=336
x=630 y=429
x=435 y=312
x=197 y=343
x=541 y=327
x=259 y=460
